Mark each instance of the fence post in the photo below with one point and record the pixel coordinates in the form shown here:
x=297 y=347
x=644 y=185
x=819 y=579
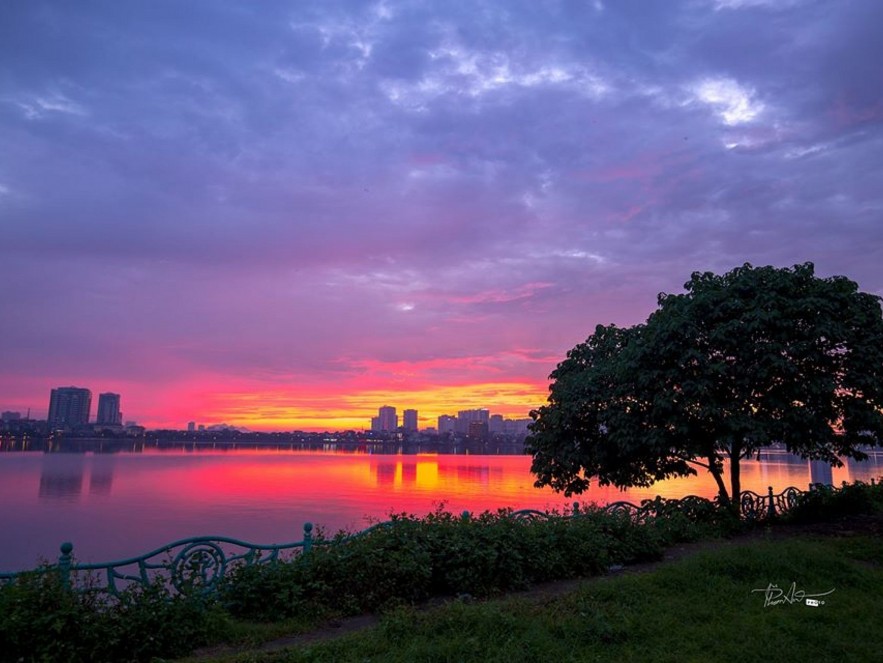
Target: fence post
x=772 y=510
x=64 y=564
x=308 y=537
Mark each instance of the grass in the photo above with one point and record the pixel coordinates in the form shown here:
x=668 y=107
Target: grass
x=698 y=609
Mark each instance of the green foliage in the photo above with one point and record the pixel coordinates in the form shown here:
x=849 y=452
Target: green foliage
x=42 y=620
x=395 y=564
x=739 y=362
x=824 y=503
x=699 y=609
x=411 y=559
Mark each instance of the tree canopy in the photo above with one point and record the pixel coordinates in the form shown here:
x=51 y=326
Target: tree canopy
x=758 y=356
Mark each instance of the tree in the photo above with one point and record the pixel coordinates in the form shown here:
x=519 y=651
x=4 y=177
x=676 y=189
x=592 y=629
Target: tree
x=739 y=362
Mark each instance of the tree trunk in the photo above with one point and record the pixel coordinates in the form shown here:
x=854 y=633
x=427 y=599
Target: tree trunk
x=735 y=479
x=721 y=486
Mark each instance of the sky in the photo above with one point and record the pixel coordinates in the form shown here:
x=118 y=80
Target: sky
x=283 y=215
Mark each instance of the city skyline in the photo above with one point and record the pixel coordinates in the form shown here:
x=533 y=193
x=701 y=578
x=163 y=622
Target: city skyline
x=281 y=215
x=70 y=407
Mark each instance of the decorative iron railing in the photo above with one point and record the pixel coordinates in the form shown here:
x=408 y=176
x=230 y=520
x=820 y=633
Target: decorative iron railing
x=198 y=564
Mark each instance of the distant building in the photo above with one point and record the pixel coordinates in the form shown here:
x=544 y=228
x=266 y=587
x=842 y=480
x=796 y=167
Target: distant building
x=191 y=426
x=447 y=424
x=109 y=410
x=69 y=406
x=386 y=420
x=466 y=417
x=409 y=420
x=478 y=430
x=516 y=427
x=10 y=416
x=495 y=424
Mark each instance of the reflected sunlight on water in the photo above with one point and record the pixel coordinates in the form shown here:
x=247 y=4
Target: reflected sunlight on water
x=117 y=505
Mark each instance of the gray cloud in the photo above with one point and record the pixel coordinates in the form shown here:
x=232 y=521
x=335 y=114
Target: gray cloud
x=252 y=174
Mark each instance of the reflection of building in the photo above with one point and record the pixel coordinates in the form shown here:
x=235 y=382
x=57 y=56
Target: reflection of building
x=101 y=474
x=109 y=410
x=820 y=472
x=386 y=474
x=409 y=420
x=62 y=476
x=69 y=406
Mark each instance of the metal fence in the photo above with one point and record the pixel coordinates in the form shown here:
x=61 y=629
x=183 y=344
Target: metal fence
x=198 y=564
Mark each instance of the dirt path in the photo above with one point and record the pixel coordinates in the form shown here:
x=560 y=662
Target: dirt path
x=857 y=525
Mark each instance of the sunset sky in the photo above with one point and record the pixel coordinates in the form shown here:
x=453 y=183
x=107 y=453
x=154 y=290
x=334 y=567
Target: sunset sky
x=283 y=215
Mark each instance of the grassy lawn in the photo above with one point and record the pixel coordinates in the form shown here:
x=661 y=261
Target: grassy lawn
x=699 y=609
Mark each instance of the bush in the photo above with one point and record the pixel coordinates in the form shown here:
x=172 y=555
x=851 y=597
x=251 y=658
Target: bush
x=824 y=503
x=404 y=561
x=411 y=559
x=43 y=620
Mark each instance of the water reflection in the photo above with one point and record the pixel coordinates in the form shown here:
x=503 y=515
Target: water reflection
x=101 y=474
x=61 y=477
x=821 y=472
x=123 y=504
x=426 y=473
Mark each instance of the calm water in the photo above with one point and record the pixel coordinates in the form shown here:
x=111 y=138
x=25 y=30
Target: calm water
x=118 y=505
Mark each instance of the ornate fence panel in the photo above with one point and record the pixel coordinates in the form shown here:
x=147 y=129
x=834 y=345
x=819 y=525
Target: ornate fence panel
x=187 y=566
x=754 y=507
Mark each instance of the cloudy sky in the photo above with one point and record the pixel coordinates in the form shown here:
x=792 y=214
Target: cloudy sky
x=285 y=214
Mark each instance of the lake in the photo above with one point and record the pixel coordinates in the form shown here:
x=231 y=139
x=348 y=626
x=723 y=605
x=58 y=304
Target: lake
x=123 y=504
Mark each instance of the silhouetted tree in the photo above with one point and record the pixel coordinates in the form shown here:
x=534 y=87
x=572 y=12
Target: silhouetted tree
x=739 y=362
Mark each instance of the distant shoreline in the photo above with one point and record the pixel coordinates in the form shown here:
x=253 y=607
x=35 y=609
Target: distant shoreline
x=261 y=441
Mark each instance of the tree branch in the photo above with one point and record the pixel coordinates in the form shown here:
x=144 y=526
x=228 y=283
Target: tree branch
x=691 y=460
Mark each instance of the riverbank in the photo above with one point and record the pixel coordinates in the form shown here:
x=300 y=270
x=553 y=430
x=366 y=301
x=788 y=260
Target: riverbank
x=711 y=600
x=405 y=569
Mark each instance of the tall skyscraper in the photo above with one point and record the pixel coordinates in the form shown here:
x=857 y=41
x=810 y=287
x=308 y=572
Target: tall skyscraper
x=409 y=420
x=466 y=417
x=69 y=406
x=387 y=418
x=109 y=409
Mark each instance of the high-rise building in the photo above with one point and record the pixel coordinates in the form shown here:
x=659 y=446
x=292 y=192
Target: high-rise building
x=447 y=424
x=69 y=406
x=387 y=418
x=109 y=410
x=191 y=426
x=466 y=417
x=409 y=420
x=478 y=430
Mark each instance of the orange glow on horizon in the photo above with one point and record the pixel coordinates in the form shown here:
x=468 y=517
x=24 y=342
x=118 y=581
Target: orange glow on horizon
x=318 y=409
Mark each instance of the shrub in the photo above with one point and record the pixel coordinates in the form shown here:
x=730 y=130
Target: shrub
x=824 y=503
x=41 y=619
x=411 y=559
